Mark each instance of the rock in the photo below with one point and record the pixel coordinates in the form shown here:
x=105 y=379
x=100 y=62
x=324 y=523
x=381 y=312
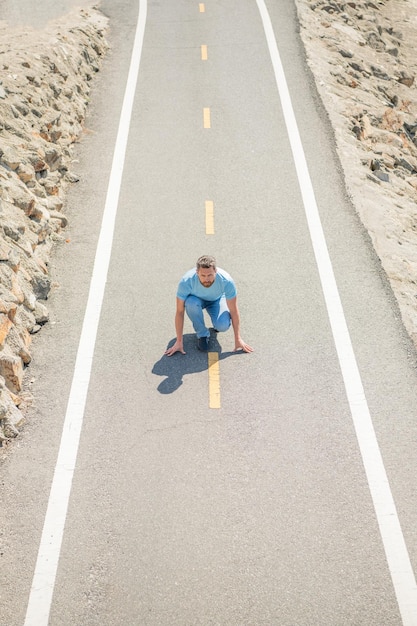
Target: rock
x=41 y=314
x=8 y=430
x=5 y=250
x=384 y=176
x=41 y=286
x=10 y=158
x=5 y=326
x=11 y=368
x=71 y=177
x=18 y=345
x=25 y=201
x=406 y=79
x=13 y=418
x=53 y=204
x=56 y=215
x=374 y=40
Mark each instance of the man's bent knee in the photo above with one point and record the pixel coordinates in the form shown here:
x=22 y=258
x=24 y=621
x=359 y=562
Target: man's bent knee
x=223 y=322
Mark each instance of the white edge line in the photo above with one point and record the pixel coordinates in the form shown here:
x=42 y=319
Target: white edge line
x=43 y=582
x=393 y=540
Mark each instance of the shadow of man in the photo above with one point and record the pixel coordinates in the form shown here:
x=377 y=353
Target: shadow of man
x=175 y=367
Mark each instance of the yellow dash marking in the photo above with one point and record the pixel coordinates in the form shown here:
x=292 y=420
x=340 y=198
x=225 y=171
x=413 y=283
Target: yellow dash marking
x=201 y=7
x=214 y=380
x=209 y=217
x=204 y=54
x=206 y=118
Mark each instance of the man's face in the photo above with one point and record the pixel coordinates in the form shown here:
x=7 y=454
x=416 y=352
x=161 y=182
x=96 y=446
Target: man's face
x=206 y=275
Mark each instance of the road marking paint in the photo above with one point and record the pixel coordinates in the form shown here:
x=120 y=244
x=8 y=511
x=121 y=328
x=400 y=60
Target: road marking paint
x=204 y=53
x=214 y=380
x=43 y=581
x=398 y=559
x=209 y=217
x=201 y=7
x=206 y=118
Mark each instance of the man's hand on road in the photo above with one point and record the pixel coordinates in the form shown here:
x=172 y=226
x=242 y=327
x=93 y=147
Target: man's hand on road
x=241 y=345
x=177 y=347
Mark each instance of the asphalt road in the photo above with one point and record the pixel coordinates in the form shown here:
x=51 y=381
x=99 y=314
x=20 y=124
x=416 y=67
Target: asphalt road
x=258 y=512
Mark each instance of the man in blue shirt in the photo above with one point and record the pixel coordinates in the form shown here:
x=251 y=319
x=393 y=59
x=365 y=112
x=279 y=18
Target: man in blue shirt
x=211 y=288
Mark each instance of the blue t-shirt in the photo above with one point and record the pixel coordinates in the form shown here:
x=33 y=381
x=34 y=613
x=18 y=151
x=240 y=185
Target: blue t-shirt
x=190 y=285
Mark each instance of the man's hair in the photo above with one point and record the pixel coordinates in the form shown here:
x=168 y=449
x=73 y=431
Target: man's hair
x=206 y=261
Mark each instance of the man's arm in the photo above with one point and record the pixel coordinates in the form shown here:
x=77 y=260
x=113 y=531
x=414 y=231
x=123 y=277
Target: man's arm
x=235 y=315
x=179 y=328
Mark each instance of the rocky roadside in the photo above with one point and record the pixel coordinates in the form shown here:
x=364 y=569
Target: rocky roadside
x=361 y=55
x=45 y=79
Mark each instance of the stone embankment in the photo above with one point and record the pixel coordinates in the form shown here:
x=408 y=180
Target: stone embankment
x=45 y=79
x=363 y=57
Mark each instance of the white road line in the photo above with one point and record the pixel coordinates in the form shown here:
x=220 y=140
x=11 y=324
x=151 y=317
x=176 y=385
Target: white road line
x=393 y=540
x=43 y=582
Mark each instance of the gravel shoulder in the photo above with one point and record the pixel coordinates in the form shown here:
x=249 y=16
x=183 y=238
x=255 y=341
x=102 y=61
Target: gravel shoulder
x=362 y=56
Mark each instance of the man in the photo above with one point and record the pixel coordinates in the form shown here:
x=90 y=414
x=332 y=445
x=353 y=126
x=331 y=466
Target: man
x=210 y=288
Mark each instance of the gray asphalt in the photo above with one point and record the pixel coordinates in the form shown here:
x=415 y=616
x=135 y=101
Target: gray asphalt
x=259 y=512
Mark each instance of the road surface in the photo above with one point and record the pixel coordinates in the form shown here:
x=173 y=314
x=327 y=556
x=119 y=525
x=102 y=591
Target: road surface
x=266 y=489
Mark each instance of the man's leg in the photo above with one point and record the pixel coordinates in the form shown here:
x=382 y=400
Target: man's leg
x=219 y=314
x=194 y=308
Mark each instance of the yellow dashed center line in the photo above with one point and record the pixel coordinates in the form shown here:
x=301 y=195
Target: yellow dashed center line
x=209 y=217
x=214 y=380
x=213 y=357
x=206 y=118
